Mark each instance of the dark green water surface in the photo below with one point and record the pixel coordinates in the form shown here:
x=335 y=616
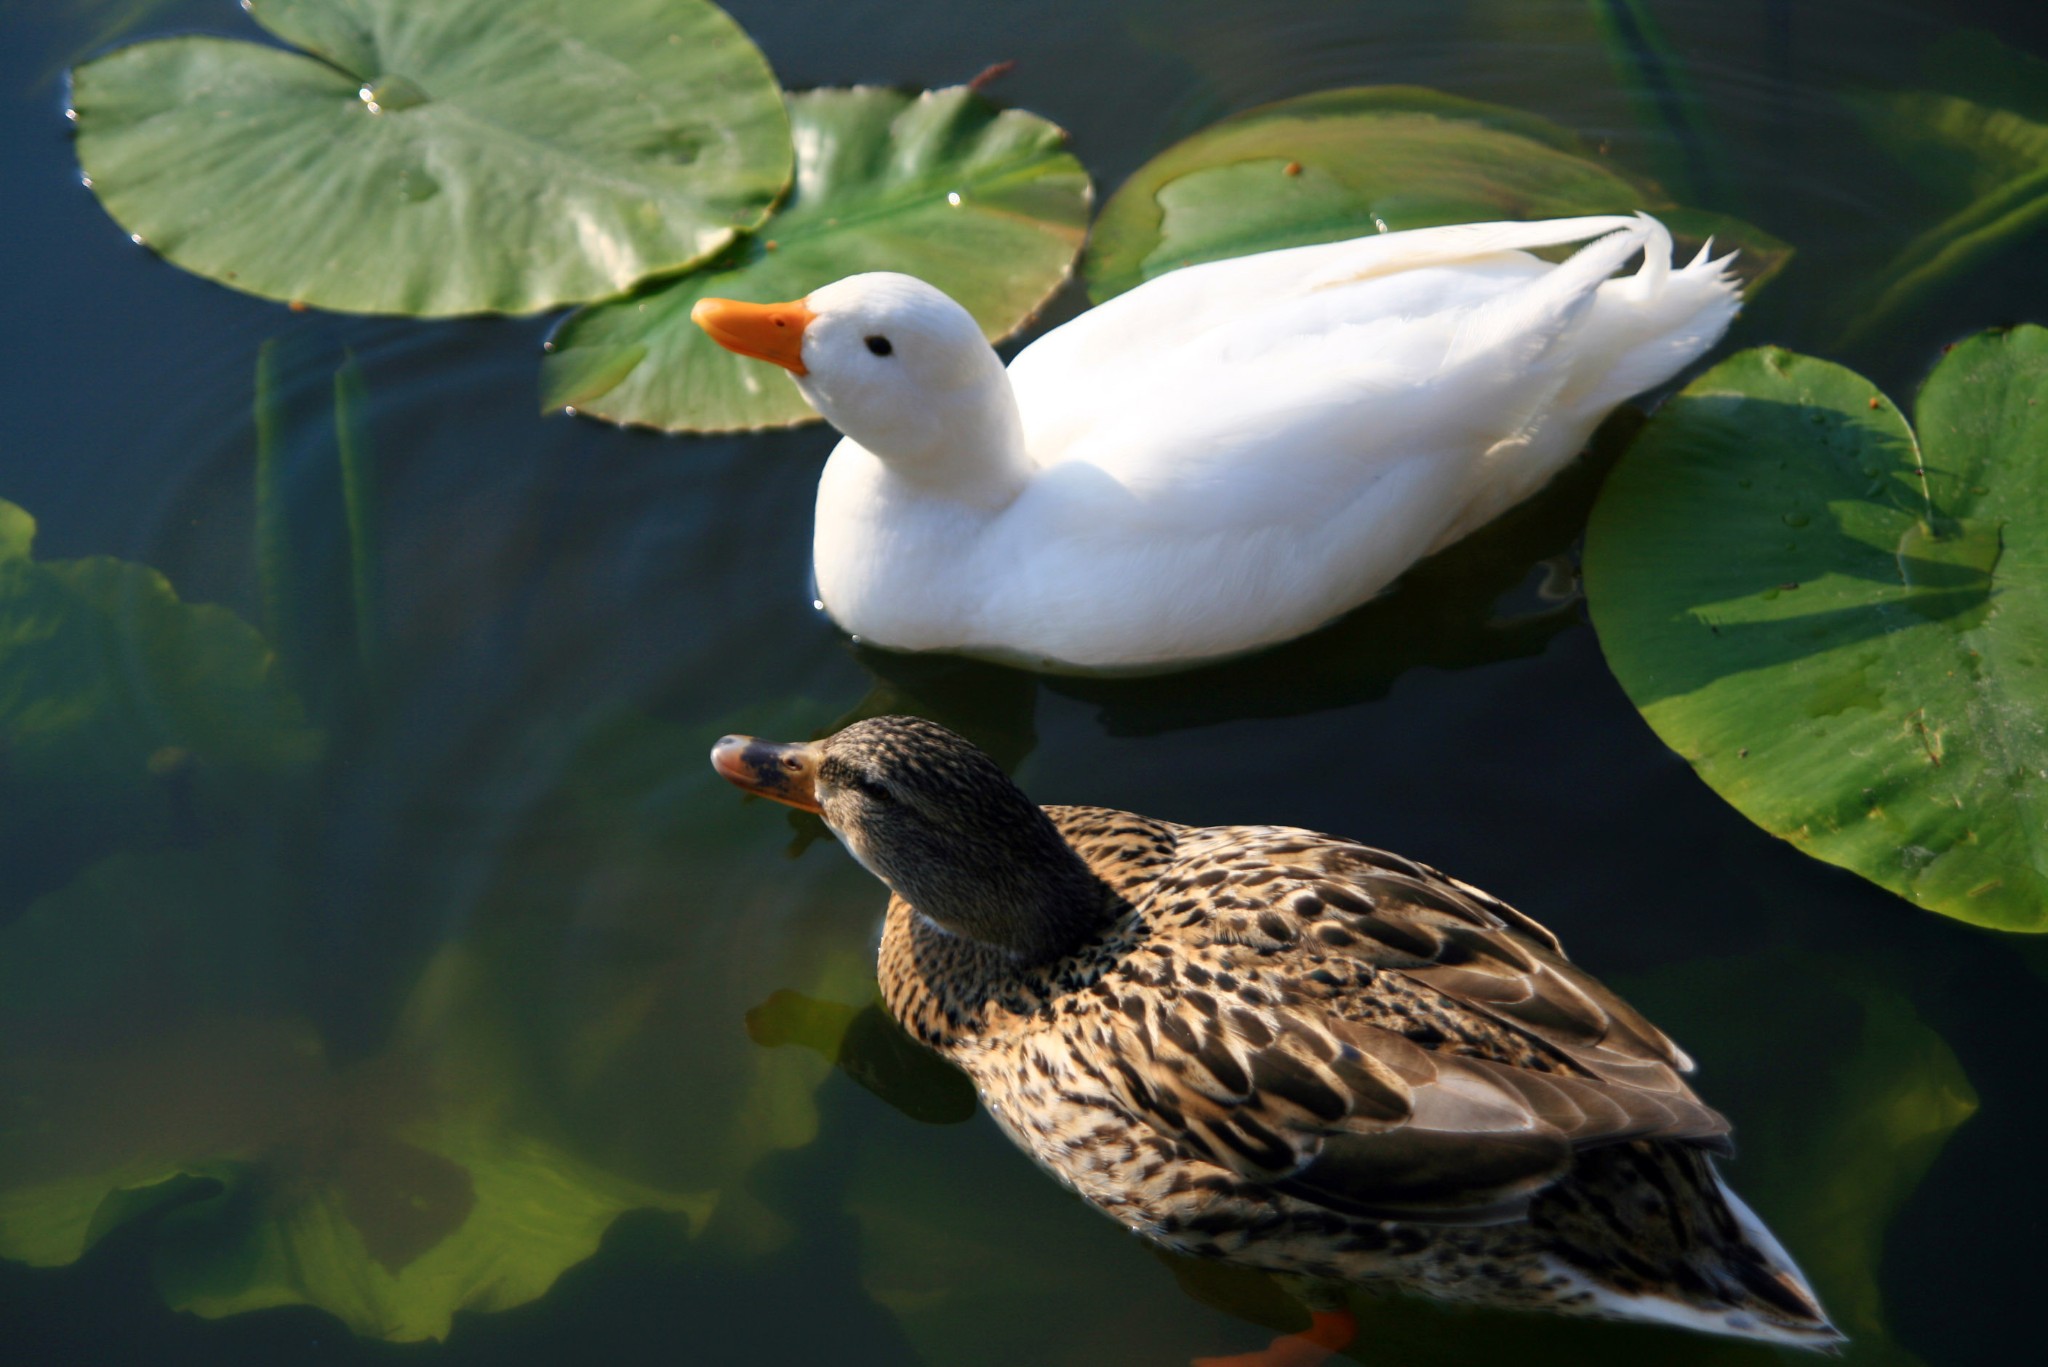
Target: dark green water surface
x=471 y=1006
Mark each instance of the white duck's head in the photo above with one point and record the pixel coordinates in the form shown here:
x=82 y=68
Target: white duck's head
x=898 y=366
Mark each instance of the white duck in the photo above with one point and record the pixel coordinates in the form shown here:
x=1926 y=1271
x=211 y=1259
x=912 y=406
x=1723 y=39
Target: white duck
x=1224 y=457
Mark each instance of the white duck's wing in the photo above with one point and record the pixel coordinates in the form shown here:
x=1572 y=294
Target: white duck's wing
x=1262 y=477
x=1300 y=403
x=1110 y=342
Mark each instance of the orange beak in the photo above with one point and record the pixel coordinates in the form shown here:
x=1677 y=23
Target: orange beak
x=766 y=332
x=784 y=773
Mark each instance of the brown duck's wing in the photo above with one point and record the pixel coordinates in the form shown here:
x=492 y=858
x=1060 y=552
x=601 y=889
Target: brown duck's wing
x=1496 y=1060
x=1485 y=958
x=1359 y=1119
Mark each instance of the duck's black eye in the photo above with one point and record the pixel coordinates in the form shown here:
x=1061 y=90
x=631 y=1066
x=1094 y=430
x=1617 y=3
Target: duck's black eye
x=873 y=789
x=880 y=345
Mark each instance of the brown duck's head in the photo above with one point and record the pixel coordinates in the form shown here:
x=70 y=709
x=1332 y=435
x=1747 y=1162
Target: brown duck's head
x=938 y=821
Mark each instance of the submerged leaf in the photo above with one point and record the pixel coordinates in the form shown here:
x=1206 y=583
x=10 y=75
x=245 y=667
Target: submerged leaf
x=439 y=156
x=394 y=1236
x=1341 y=163
x=1685 y=153
x=984 y=203
x=573 y=1047
x=1979 y=139
x=872 y=1049
x=146 y=1040
x=358 y=466
x=125 y=712
x=1841 y=627
x=966 y=1243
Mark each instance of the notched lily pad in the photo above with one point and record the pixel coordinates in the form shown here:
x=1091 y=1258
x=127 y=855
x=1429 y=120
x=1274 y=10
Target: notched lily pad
x=984 y=203
x=1341 y=163
x=439 y=156
x=1841 y=625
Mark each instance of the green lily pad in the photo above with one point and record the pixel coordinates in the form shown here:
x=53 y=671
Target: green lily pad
x=984 y=203
x=439 y=156
x=1842 y=627
x=1340 y=163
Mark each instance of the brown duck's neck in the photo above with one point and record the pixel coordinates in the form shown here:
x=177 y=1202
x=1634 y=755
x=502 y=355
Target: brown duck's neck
x=1035 y=903
x=941 y=985
x=985 y=865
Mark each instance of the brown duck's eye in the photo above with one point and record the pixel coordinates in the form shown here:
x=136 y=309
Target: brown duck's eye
x=873 y=789
x=880 y=346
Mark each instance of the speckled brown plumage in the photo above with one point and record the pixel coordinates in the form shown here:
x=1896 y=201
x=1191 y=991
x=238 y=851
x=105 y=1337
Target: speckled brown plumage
x=1235 y=1064
x=1297 y=1053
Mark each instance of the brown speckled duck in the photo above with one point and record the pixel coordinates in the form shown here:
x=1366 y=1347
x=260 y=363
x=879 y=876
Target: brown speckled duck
x=1291 y=1052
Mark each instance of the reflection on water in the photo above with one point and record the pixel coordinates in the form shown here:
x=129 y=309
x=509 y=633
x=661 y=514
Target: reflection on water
x=390 y=991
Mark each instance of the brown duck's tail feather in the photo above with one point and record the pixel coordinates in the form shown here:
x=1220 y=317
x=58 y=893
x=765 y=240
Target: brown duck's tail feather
x=1772 y=1279
x=1651 y=1232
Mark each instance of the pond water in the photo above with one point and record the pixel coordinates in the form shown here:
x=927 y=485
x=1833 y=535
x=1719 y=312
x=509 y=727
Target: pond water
x=472 y=1007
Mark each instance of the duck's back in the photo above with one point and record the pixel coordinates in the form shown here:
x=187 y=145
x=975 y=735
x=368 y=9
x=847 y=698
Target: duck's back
x=1301 y=1054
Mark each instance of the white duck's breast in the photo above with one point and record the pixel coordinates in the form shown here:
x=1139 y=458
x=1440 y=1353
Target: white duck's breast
x=890 y=565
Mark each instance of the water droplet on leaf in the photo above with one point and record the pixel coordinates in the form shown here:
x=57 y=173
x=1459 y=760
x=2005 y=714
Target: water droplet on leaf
x=390 y=94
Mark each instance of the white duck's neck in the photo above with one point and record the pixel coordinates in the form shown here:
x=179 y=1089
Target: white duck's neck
x=964 y=445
